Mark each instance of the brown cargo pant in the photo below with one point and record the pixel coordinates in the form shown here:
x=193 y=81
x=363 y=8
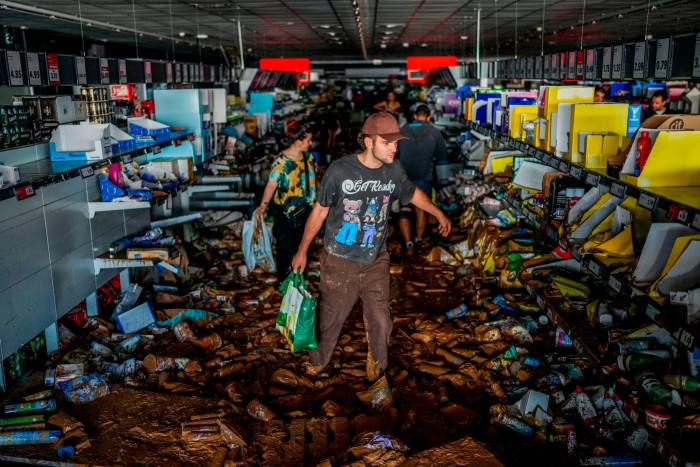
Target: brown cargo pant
x=342 y=282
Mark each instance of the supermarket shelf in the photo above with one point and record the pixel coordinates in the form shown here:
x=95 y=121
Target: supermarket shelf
x=94 y=207
x=176 y=220
x=122 y=263
x=682 y=204
x=45 y=172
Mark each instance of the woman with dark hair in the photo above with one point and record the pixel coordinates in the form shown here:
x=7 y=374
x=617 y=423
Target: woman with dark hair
x=292 y=191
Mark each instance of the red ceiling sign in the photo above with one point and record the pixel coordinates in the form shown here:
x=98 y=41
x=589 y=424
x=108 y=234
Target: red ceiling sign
x=417 y=67
x=302 y=66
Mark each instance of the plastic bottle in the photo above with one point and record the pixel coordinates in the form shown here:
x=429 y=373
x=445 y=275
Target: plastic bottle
x=46 y=405
x=65 y=452
x=643 y=150
x=686 y=383
x=635 y=361
x=585 y=408
x=99 y=349
x=613 y=415
x=513 y=423
x=456 y=312
x=656 y=390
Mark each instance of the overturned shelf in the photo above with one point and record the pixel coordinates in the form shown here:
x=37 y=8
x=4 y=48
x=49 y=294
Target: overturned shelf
x=176 y=220
x=94 y=207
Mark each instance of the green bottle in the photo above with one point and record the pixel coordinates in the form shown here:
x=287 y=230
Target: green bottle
x=656 y=390
x=683 y=382
x=46 y=405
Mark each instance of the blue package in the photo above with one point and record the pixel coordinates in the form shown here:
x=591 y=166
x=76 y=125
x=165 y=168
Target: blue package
x=109 y=190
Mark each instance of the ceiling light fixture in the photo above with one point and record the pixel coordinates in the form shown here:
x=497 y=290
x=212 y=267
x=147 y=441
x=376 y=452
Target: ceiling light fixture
x=181 y=34
x=382 y=46
x=202 y=36
x=406 y=44
x=422 y=45
x=464 y=38
x=538 y=29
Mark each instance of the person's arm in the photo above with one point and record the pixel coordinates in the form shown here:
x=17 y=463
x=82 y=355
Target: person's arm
x=421 y=200
x=380 y=105
x=269 y=192
x=313 y=225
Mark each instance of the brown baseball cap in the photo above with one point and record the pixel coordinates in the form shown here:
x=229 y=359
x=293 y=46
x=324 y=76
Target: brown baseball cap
x=383 y=124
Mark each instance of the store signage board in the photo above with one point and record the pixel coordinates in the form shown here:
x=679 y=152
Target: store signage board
x=696 y=59
x=663 y=49
x=147 y=72
x=607 y=62
x=571 y=67
x=562 y=65
x=33 y=69
x=547 y=66
x=122 y=71
x=639 y=59
x=178 y=73
x=104 y=71
x=590 y=64
x=580 y=57
x=14 y=68
x=80 y=71
x=168 y=72
x=554 y=70
x=53 y=69
x=617 y=62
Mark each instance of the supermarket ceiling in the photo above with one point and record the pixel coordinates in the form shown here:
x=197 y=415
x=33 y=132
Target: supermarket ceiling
x=345 y=30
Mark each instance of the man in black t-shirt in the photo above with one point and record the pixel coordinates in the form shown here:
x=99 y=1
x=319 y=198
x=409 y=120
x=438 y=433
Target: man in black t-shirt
x=353 y=201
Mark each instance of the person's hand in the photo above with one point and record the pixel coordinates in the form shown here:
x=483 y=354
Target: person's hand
x=299 y=262
x=445 y=224
x=261 y=210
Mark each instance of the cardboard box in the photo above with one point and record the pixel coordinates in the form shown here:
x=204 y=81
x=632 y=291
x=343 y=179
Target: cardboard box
x=68 y=371
x=80 y=142
x=57 y=109
x=135 y=319
x=148 y=253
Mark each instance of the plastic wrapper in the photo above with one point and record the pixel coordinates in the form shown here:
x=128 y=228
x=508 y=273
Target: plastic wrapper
x=378 y=396
x=156 y=364
x=65 y=422
x=84 y=389
x=442 y=255
x=260 y=411
x=465 y=451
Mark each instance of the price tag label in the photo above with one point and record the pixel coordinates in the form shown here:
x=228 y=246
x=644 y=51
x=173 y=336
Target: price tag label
x=14 y=68
x=126 y=159
x=564 y=166
x=592 y=179
x=663 y=48
x=156 y=149
x=87 y=172
x=679 y=298
x=190 y=136
x=589 y=72
x=607 y=63
x=177 y=142
x=24 y=191
x=594 y=267
x=652 y=312
x=52 y=67
x=683 y=214
x=547 y=158
x=696 y=58
x=554 y=162
x=147 y=72
x=169 y=72
x=122 y=71
x=80 y=72
x=647 y=201
x=539 y=155
x=575 y=172
x=617 y=61
x=617 y=189
x=696 y=221
x=104 y=71
x=571 y=66
x=640 y=49
x=33 y=69
x=615 y=284
x=686 y=338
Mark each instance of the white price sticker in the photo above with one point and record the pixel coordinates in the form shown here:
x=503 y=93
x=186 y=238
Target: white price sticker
x=122 y=72
x=594 y=267
x=617 y=61
x=696 y=58
x=617 y=189
x=640 y=49
x=607 y=63
x=104 y=71
x=147 y=72
x=686 y=338
x=576 y=172
x=663 y=48
x=541 y=303
x=14 y=68
x=80 y=72
x=33 y=69
x=647 y=201
x=615 y=284
x=592 y=179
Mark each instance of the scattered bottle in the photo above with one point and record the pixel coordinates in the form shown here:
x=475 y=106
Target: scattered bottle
x=643 y=150
x=656 y=390
x=45 y=405
x=682 y=382
x=456 y=312
x=585 y=408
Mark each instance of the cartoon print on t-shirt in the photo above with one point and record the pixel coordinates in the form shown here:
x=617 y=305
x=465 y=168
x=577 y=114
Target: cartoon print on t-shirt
x=385 y=209
x=371 y=211
x=368 y=239
x=351 y=222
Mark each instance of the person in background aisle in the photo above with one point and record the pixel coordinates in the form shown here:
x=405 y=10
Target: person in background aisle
x=353 y=201
x=390 y=104
x=600 y=95
x=292 y=190
x=659 y=105
x=417 y=153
